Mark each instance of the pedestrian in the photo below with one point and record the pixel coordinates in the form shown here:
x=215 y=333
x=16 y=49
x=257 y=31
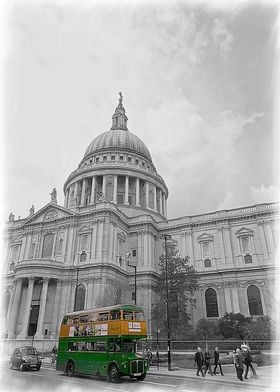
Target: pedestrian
x=207 y=359
x=150 y=356
x=217 y=361
x=54 y=353
x=199 y=360
x=248 y=363
x=238 y=362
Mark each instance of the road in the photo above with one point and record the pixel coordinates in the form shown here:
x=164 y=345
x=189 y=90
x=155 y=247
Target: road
x=48 y=379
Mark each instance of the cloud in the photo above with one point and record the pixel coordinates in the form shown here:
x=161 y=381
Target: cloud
x=263 y=194
x=222 y=37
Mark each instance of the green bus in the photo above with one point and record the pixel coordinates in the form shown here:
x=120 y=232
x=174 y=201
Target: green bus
x=103 y=341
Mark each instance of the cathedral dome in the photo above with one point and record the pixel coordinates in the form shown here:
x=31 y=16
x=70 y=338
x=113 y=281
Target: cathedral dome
x=118 y=139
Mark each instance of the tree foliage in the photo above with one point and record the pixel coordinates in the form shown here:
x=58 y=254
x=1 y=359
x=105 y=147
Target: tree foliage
x=206 y=329
x=182 y=283
x=233 y=325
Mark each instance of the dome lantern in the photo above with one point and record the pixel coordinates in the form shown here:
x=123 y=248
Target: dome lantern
x=119 y=119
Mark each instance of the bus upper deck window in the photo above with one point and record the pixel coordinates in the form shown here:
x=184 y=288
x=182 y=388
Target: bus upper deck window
x=115 y=314
x=84 y=318
x=139 y=316
x=127 y=315
x=103 y=317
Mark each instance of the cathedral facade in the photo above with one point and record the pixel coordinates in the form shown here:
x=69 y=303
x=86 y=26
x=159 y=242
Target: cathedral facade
x=80 y=255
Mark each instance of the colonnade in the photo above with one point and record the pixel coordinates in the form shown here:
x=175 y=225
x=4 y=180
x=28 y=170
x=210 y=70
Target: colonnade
x=89 y=190
x=15 y=304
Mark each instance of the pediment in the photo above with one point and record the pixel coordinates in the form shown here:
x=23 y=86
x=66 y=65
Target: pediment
x=205 y=237
x=243 y=231
x=84 y=229
x=50 y=212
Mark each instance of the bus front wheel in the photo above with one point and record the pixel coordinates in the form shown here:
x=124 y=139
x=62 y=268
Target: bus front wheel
x=113 y=374
x=142 y=377
x=70 y=369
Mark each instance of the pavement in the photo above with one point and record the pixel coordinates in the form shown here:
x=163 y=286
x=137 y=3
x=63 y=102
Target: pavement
x=267 y=375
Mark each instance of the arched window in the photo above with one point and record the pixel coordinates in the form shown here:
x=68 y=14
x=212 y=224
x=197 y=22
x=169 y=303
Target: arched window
x=48 y=245
x=80 y=297
x=211 y=303
x=254 y=301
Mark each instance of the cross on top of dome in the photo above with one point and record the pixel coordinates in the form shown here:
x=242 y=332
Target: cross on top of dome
x=119 y=119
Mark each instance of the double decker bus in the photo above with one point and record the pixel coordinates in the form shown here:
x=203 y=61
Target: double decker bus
x=103 y=341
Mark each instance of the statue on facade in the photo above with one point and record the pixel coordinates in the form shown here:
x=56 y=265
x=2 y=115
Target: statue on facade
x=32 y=210
x=53 y=196
x=11 y=217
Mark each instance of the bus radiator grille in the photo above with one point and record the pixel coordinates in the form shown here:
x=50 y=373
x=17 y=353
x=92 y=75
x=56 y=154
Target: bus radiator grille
x=137 y=367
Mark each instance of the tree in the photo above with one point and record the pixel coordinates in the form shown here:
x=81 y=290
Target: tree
x=182 y=283
x=260 y=329
x=234 y=325
x=207 y=329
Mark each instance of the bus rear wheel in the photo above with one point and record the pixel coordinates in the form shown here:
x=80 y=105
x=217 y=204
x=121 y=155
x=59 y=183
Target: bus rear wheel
x=142 y=377
x=113 y=374
x=70 y=369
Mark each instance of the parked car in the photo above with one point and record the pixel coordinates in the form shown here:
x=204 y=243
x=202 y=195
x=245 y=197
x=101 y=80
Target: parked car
x=25 y=357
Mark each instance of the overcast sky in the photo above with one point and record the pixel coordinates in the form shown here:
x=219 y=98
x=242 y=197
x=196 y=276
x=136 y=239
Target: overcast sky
x=199 y=85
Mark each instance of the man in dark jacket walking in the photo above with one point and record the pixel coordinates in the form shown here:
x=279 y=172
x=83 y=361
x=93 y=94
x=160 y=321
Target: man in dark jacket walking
x=199 y=360
x=248 y=363
x=217 y=361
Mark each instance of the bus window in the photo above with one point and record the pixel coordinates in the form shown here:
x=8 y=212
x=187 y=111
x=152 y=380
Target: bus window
x=127 y=315
x=76 y=320
x=64 y=321
x=115 y=314
x=139 y=316
x=72 y=346
x=103 y=316
x=100 y=346
x=128 y=346
x=84 y=318
x=93 y=317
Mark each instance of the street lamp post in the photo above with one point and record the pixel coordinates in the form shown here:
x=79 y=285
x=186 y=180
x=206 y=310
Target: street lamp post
x=135 y=271
x=158 y=331
x=167 y=305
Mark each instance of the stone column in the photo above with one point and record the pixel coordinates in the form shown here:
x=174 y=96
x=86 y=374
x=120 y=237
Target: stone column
x=221 y=244
x=27 y=309
x=270 y=239
x=39 y=334
x=66 y=199
x=115 y=192
x=75 y=201
x=126 y=190
x=89 y=294
x=263 y=239
x=55 y=321
x=147 y=195
x=100 y=239
x=104 y=186
x=228 y=299
x=184 y=244
x=15 y=310
x=137 y=192
x=160 y=202
x=82 y=202
x=228 y=244
x=235 y=300
x=92 y=195
x=190 y=245
x=155 y=198
x=94 y=241
x=146 y=248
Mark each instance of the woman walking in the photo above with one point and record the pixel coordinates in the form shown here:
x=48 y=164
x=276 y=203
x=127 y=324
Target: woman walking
x=238 y=361
x=207 y=358
x=199 y=360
